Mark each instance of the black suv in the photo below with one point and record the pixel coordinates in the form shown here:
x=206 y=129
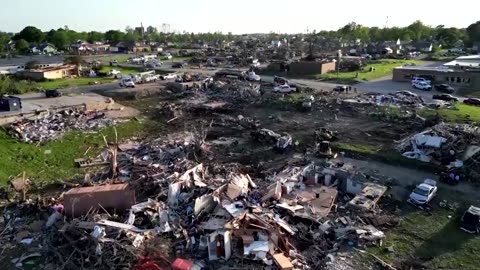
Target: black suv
x=445 y=88
x=53 y=93
x=446 y=97
x=472 y=101
x=470 y=221
x=177 y=65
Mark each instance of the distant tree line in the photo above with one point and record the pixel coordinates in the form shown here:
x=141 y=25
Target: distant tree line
x=416 y=31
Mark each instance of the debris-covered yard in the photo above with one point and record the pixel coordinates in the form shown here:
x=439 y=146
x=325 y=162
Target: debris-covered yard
x=53 y=161
x=225 y=174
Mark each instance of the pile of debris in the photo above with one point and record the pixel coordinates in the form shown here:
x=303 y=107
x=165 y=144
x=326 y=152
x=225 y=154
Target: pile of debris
x=212 y=215
x=444 y=144
x=54 y=125
x=392 y=99
x=235 y=90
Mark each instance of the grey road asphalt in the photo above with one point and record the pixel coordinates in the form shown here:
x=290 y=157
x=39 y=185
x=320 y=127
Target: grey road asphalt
x=383 y=85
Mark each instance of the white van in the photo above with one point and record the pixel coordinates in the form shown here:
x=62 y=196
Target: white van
x=421 y=85
x=420 y=79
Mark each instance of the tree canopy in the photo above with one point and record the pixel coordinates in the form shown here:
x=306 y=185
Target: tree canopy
x=62 y=37
x=473 y=32
x=30 y=34
x=21 y=45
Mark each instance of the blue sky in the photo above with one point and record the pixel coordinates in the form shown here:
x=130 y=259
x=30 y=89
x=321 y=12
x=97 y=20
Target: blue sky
x=244 y=16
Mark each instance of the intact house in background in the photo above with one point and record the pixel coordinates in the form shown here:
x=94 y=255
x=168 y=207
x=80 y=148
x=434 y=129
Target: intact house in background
x=397 y=47
x=50 y=73
x=303 y=67
x=461 y=72
x=42 y=48
x=420 y=46
x=200 y=45
x=384 y=48
x=130 y=46
x=89 y=48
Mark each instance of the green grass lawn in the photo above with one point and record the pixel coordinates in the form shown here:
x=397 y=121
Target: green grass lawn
x=383 y=68
x=461 y=113
x=17 y=157
x=469 y=92
x=69 y=82
x=107 y=58
x=435 y=240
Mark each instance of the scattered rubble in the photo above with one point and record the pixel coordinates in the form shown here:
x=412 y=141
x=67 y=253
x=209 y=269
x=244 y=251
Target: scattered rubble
x=444 y=144
x=162 y=204
x=170 y=202
x=394 y=99
x=53 y=125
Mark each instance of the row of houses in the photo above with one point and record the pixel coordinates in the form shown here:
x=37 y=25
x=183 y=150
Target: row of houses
x=82 y=47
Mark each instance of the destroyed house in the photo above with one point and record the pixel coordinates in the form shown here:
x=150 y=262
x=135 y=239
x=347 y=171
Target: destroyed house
x=369 y=196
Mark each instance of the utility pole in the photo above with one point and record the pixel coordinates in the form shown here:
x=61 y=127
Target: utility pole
x=339 y=56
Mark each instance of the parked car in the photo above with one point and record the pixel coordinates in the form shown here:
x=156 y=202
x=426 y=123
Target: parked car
x=149 y=78
x=115 y=73
x=283 y=143
x=340 y=88
x=470 y=221
x=307 y=102
x=284 y=89
x=179 y=79
x=424 y=192
x=168 y=76
x=445 y=88
x=127 y=82
x=406 y=93
x=177 y=65
x=421 y=79
x=280 y=80
x=472 y=101
x=251 y=76
x=421 y=85
x=446 y=97
x=265 y=135
x=52 y=93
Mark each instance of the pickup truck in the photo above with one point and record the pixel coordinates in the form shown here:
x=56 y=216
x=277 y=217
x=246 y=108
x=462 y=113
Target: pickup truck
x=127 y=82
x=149 y=78
x=168 y=76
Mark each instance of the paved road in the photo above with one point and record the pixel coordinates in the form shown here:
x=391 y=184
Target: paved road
x=383 y=85
x=33 y=102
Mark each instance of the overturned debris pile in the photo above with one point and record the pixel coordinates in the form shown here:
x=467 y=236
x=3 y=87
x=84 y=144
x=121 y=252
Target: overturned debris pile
x=397 y=98
x=213 y=215
x=54 y=125
x=235 y=90
x=442 y=144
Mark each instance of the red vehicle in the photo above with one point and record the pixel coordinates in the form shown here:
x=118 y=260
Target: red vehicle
x=472 y=101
